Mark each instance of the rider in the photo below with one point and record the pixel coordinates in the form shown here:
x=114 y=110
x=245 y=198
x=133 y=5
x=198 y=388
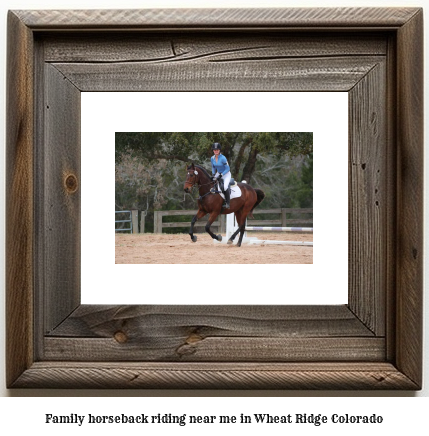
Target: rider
x=221 y=170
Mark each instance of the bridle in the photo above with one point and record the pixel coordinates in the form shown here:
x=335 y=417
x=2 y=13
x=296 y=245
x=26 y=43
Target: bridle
x=194 y=174
x=196 y=181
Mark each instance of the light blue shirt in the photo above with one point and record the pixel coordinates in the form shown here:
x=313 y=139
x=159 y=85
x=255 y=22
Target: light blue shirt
x=221 y=166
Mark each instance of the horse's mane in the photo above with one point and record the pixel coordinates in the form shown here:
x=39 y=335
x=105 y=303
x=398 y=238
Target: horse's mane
x=203 y=170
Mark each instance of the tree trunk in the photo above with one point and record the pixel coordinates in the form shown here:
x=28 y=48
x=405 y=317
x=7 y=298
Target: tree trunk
x=249 y=168
x=239 y=159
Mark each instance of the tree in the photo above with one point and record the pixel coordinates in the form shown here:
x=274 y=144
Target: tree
x=305 y=190
x=286 y=182
x=150 y=167
x=242 y=149
x=137 y=184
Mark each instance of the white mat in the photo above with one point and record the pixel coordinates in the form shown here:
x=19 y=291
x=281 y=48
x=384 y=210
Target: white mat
x=235 y=192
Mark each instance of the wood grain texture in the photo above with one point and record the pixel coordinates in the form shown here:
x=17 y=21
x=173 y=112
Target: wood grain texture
x=214 y=333
x=368 y=202
x=178 y=47
x=19 y=200
x=192 y=347
x=409 y=279
x=61 y=187
x=100 y=321
x=391 y=192
x=300 y=74
x=208 y=18
x=108 y=375
x=174 y=348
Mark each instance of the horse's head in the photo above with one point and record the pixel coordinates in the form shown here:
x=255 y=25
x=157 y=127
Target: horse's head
x=192 y=178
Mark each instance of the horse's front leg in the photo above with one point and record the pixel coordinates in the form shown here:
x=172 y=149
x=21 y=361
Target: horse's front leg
x=198 y=216
x=211 y=220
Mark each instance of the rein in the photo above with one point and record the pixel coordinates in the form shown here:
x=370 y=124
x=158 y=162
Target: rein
x=202 y=196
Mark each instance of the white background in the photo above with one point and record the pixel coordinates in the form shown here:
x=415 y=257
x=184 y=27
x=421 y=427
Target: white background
x=325 y=114
x=402 y=414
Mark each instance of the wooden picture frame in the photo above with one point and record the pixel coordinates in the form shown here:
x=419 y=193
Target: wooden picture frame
x=373 y=342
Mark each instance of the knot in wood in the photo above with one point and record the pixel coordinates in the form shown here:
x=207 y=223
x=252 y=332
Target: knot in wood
x=193 y=338
x=120 y=337
x=71 y=183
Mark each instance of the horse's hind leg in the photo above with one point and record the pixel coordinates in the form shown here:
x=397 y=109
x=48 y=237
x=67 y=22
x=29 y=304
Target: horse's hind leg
x=241 y=221
x=198 y=216
x=231 y=239
x=233 y=236
x=242 y=229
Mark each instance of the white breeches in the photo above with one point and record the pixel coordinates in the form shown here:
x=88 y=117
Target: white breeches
x=226 y=178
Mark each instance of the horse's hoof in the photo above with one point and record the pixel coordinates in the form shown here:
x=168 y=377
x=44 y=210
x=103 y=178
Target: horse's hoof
x=229 y=242
x=239 y=244
x=194 y=238
x=219 y=237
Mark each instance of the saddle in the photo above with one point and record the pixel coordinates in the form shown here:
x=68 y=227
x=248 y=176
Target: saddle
x=234 y=190
x=218 y=190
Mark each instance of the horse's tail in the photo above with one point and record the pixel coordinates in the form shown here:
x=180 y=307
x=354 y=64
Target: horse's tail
x=261 y=196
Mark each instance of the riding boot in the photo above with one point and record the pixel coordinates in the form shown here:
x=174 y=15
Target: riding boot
x=227 y=199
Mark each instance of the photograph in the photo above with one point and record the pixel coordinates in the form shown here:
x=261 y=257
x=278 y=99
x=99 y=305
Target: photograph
x=193 y=192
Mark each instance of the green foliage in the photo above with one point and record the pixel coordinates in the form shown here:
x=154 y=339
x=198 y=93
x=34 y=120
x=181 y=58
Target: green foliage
x=150 y=167
x=240 y=148
x=304 y=190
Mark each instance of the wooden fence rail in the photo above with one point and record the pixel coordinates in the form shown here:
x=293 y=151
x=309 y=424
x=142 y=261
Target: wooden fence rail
x=159 y=224
x=282 y=221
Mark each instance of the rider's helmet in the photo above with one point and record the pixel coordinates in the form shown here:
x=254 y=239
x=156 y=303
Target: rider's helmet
x=216 y=146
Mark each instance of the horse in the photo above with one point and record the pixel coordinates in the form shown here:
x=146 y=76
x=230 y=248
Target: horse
x=210 y=202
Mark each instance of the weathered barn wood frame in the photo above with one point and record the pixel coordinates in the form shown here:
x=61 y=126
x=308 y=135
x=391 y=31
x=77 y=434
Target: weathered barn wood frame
x=373 y=342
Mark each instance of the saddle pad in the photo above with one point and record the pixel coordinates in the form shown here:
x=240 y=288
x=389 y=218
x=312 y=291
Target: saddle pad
x=235 y=192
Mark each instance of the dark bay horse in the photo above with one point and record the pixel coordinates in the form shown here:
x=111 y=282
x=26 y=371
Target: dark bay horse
x=211 y=203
